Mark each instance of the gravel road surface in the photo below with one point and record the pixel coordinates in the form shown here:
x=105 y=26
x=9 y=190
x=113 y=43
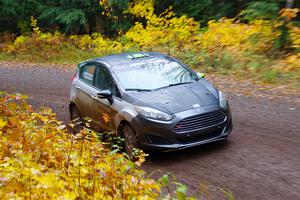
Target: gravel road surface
x=261 y=159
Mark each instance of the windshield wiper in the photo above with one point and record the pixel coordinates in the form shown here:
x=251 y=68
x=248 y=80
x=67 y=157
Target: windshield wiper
x=174 y=84
x=137 y=89
x=182 y=83
x=147 y=90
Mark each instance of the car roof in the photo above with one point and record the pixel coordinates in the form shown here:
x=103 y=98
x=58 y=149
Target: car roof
x=119 y=60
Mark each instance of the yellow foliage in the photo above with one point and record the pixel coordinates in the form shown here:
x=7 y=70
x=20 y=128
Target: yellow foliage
x=257 y=36
x=20 y=40
x=2 y=124
x=142 y=8
x=165 y=29
x=295 y=36
x=35 y=27
x=97 y=43
x=223 y=44
x=288 y=13
x=38 y=160
x=288 y=64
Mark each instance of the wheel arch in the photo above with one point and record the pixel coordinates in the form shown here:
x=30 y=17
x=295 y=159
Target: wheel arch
x=71 y=105
x=122 y=123
x=122 y=118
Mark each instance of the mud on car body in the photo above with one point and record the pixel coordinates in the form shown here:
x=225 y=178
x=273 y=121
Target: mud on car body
x=152 y=100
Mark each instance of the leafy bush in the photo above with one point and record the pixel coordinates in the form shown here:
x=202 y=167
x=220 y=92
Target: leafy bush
x=41 y=161
x=294 y=32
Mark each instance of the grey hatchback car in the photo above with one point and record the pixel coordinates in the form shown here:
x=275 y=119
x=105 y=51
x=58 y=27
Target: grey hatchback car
x=151 y=99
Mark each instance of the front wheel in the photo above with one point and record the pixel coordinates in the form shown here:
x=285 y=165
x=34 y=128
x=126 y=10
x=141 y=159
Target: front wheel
x=130 y=143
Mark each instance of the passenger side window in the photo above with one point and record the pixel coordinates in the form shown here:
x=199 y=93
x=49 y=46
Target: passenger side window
x=104 y=81
x=87 y=73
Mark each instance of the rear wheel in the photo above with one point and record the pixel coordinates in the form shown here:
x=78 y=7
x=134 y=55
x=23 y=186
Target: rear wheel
x=76 y=119
x=130 y=143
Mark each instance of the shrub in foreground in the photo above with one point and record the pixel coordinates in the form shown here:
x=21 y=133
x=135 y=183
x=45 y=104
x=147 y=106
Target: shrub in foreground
x=39 y=159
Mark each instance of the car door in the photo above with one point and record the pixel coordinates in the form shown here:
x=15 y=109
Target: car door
x=103 y=110
x=84 y=89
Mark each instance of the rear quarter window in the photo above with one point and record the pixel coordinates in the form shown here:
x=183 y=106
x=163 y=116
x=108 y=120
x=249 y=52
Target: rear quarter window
x=86 y=73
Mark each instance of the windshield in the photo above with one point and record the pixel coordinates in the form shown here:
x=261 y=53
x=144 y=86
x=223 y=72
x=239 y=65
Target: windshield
x=153 y=74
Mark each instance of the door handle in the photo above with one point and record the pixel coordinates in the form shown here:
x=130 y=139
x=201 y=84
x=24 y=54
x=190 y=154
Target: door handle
x=77 y=87
x=94 y=97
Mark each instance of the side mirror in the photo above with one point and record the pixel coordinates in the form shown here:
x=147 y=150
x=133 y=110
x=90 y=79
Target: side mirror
x=201 y=75
x=106 y=94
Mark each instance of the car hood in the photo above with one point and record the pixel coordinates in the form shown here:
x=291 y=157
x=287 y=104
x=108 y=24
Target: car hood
x=174 y=99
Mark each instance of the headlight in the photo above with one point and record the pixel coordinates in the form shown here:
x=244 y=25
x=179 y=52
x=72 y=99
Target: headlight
x=222 y=100
x=153 y=113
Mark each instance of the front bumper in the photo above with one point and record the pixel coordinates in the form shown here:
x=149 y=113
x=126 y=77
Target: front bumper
x=156 y=135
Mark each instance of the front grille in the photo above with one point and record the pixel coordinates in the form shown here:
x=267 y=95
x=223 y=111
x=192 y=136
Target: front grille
x=200 y=137
x=157 y=140
x=200 y=121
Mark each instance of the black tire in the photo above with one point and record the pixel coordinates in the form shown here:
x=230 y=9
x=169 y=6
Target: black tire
x=130 y=140
x=76 y=119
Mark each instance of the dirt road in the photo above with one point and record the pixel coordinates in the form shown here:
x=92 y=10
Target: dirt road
x=261 y=159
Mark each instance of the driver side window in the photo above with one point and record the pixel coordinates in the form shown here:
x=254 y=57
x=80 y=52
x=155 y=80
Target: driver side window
x=104 y=81
x=86 y=73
